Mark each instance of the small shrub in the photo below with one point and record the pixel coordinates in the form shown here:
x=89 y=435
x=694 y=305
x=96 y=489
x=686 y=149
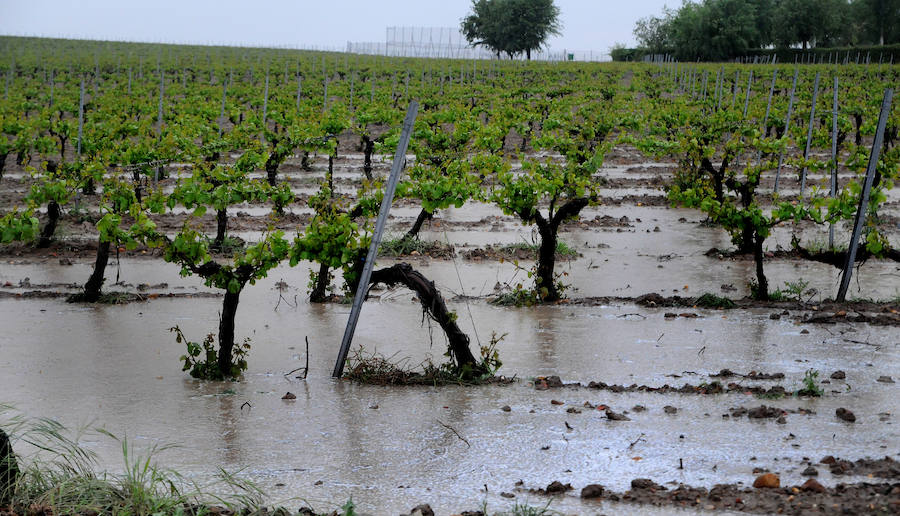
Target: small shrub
x=809 y=384
x=202 y=359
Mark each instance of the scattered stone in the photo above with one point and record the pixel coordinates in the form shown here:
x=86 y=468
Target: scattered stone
x=638 y=408
x=613 y=416
x=573 y=410
x=557 y=487
x=781 y=420
x=885 y=379
x=556 y=402
x=289 y=396
x=767 y=481
x=812 y=485
x=507 y=495
x=506 y=408
x=810 y=472
x=762 y=412
x=775 y=317
x=838 y=375
x=422 y=510
x=645 y=483
x=669 y=409
x=592 y=491
x=543 y=383
x=845 y=415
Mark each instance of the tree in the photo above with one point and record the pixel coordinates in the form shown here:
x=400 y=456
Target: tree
x=879 y=19
x=511 y=26
x=808 y=22
x=655 y=33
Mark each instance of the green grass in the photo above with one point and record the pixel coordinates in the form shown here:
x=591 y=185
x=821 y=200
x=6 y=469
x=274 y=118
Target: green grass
x=563 y=249
x=61 y=477
x=230 y=245
x=521 y=509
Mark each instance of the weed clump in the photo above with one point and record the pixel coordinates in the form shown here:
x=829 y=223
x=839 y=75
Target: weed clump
x=810 y=388
x=406 y=246
x=713 y=301
x=374 y=368
x=61 y=477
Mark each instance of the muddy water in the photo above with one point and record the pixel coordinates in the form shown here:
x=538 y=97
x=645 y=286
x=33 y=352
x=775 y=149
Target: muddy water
x=117 y=366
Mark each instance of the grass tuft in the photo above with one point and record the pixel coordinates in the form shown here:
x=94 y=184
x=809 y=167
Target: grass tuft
x=59 y=476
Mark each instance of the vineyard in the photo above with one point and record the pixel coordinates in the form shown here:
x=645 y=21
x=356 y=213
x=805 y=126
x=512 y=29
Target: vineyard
x=592 y=273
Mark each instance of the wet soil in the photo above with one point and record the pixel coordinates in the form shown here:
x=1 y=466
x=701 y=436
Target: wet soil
x=632 y=324
x=807 y=498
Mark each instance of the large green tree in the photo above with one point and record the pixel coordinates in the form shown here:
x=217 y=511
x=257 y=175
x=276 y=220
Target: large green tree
x=511 y=26
x=878 y=19
x=809 y=22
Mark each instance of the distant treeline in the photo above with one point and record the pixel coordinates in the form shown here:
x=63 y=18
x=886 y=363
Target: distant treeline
x=720 y=30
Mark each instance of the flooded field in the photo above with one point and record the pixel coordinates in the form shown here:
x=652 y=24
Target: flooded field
x=457 y=447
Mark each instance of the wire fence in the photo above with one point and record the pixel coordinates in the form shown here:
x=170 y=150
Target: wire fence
x=449 y=43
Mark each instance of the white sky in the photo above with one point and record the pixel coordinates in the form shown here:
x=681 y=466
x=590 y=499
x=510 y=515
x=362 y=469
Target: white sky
x=587 y=24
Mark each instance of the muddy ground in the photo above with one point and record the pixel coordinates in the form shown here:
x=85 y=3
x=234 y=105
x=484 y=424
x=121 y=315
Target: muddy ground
x=631 y=384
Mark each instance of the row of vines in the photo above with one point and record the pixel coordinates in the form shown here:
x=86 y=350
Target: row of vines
x=142 y=134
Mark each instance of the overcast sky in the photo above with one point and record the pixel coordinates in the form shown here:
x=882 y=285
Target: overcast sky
x=587 y=24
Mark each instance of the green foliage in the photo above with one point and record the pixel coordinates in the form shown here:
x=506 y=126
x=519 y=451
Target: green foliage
x=333 y=238
x=797 y=289
x=511 y=26
x=60 y=476
x=18 y=227
x=201 y=358
x=716 y=30
x=810 y=388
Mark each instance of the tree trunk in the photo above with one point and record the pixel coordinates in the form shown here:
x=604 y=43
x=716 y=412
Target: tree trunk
x=323 y=279
x=3 y=156
x=544 y=281
x=95 y=282
x=331 y=174
x=434 y=305
x=417 y=225
x=304 y=161
x=368 y=149
x=9 y=469
x=762 y=292
x=88 y=188
x=53 y=214
x=271 y=170
x=226 y=331
x=221 y=227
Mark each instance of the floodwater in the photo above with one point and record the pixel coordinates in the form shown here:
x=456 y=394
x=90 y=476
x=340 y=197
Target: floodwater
x=390 y=448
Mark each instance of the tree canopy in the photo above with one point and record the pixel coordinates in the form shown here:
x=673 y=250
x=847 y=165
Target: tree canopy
x=511 y=26
x=724 y=29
